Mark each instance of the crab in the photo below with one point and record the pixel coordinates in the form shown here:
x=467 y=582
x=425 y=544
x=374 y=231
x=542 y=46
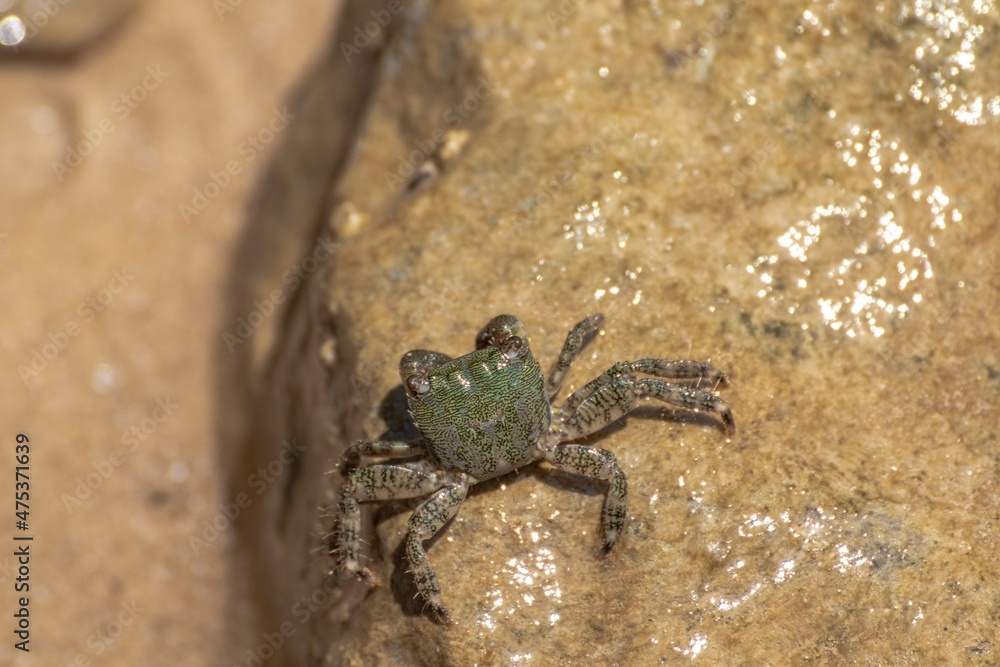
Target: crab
x=489 y=413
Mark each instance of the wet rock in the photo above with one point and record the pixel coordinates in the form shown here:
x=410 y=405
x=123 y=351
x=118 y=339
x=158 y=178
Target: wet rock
x=752 y=185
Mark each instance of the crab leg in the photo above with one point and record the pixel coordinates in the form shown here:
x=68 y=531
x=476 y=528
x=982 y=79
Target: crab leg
x=391 y=448
x=672 y=369
x=596 y=463
x=424 y=523
x=377 y=482
x=576 y=340
x=619 y=396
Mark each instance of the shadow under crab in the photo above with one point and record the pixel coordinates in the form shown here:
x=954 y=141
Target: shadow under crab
x=489 y=413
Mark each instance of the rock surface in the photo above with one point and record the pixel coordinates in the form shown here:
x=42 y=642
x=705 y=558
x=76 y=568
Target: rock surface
x=800 y=194
x=116 y=115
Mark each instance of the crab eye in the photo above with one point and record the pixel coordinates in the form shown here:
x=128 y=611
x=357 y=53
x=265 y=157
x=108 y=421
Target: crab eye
x=512 y=347
x=498 y=330
x=417 y=385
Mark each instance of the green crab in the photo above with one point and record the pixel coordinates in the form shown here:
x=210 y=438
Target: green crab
x=489 y=413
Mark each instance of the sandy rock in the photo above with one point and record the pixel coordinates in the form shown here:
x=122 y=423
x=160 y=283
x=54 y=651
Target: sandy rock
x=754 y=185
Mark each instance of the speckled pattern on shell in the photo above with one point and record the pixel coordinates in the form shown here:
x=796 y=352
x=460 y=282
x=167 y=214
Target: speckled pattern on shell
x=484 y=412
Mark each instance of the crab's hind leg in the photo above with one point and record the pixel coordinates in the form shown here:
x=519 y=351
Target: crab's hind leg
x=618 y=396
x=576 y=340
x=672 y=369
x=371 y=483
x=424 y=523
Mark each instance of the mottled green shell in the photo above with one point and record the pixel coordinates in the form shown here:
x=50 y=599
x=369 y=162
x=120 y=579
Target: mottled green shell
x=484 y=413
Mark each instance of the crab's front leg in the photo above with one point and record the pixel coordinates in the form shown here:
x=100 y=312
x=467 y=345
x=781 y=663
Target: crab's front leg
x=601 y=464
x=424 y=523
x=576 y=340
x=371 y=483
